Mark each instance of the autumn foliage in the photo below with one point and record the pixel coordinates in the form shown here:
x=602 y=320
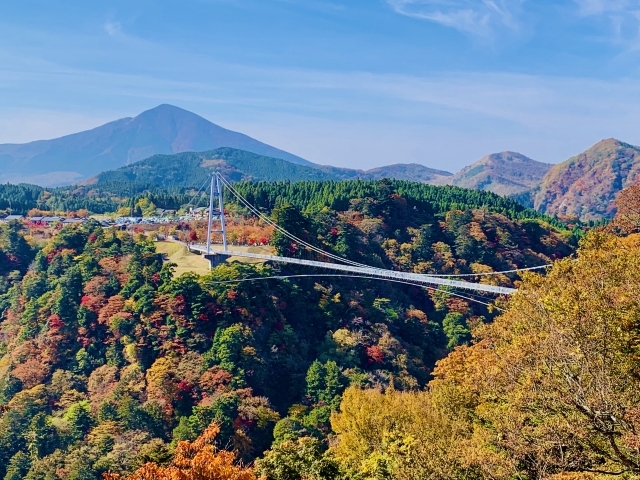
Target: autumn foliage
x=111 y=363
x=627 y=219
x=549 y=390
x=197 y=460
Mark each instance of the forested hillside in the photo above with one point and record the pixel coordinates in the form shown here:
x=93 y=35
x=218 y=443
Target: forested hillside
x=549 y=390
x=192 y=169
x=586 y=185
x=309 y=196
x=110 y=361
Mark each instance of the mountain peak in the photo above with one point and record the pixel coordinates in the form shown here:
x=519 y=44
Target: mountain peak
x=504 y=173
x=168 y=106
x=168 y=109
x=610 y=143
x=508 y=157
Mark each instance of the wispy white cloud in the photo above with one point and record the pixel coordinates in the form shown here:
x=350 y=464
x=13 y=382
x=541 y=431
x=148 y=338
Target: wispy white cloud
x=114 y=29
x=348 y=118
x=621 y=16
x=477 y=17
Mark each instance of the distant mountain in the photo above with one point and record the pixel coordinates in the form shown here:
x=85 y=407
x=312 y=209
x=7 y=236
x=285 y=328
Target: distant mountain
x=190 y=169
x=586 y=185
x=408 y=171
x=162 y=130
x=505 y=173
x=399 y=171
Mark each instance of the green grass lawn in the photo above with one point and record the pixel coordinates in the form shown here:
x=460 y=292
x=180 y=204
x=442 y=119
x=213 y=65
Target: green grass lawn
x=185 y=261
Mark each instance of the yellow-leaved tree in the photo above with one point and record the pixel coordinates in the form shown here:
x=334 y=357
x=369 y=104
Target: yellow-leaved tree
x=398 y=435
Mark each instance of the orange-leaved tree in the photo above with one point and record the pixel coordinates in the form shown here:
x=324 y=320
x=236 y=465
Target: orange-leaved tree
x=197 y=460
x=627 y=219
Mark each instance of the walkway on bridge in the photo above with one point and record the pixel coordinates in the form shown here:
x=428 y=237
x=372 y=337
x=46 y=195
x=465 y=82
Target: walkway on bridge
x=212 y=255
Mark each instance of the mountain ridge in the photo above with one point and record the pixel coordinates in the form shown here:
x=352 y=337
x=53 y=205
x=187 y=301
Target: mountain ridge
x=189 y=169
x=167 y=130
x=585 y=186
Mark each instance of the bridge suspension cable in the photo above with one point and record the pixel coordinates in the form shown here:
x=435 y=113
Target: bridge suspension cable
x=196 y=194
x=285 y=232
x=369 y=271
x=285 y=277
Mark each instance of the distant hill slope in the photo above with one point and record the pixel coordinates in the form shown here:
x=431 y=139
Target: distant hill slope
x=587 y=184
x=408 y=171
x=190 y=169
x=505 y=173
x=162 y=130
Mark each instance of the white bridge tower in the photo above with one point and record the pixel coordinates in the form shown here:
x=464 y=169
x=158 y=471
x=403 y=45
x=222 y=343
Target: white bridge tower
x=216 y=196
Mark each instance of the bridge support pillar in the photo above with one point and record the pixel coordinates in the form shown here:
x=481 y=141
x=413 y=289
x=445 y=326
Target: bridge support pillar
x=214 y=260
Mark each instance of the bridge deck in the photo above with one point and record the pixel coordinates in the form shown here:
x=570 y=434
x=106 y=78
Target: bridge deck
x=369 y=271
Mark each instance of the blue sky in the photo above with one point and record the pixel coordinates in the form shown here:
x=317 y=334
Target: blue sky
x=360 y=83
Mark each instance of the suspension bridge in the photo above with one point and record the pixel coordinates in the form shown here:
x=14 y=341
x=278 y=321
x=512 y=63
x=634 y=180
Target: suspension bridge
x=335 y=263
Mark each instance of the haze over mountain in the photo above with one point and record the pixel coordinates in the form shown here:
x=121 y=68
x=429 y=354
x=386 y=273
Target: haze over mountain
x=162 y=130
x=586 y=185
x=505 y=173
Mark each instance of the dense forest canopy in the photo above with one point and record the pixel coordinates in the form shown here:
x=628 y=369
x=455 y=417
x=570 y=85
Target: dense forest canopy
x=420 y=197
x=309 y=196
x=106 y=198
x=110 y=363
x=548 y=390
